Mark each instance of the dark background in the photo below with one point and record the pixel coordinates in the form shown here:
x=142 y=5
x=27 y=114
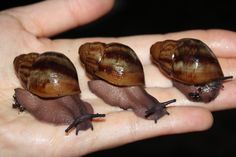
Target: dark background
x=155 y=16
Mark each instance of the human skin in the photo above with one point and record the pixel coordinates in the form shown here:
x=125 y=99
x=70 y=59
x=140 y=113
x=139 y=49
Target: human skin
x=28 y=29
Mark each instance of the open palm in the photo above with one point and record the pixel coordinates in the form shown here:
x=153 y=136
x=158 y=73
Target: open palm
x=26 y=29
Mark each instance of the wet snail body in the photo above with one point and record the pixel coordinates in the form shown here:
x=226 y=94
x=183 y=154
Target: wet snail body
x=51 y=90
x=118 y=78
x=192 y=67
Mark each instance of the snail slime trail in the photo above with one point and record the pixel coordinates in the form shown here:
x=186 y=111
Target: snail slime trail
x=118 y=78
x=51 y=90
x=192 y=66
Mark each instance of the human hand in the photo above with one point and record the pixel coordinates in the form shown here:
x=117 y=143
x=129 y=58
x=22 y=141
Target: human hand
x=26 y=29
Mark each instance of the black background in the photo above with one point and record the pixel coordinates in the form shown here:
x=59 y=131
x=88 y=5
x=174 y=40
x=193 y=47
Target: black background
x=132 y=17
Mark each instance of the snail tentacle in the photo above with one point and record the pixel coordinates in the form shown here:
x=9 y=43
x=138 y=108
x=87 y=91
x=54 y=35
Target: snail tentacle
x=160 y=108
x=81 y=119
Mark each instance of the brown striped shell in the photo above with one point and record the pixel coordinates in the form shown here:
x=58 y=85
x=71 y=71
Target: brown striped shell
x=50 y=74
x=189 y=61
x=115 y=63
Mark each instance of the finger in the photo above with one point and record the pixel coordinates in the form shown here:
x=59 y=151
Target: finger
x=118 y=128
x=48 y=18
x=222 y=42
x=221 y=102
x=124 y=127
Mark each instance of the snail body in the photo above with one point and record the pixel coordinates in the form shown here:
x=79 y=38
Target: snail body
x=192 y=66
x=51 y=90
x=118 y=78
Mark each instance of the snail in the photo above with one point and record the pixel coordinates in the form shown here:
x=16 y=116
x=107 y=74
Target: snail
x=51 y=90
x=192 y=66
x=118 y=79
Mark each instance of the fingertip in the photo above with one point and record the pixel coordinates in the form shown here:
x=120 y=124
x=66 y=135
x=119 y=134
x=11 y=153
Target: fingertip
x=221 y=41
x=189 y=119
x=90 y=9
x=48 y=18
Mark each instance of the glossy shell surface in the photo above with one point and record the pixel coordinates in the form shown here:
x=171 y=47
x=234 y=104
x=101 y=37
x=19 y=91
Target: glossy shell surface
x=189 y=61
x=49 y=74
x=115 y=63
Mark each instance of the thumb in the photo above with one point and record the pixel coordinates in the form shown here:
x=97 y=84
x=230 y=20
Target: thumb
x=48 y=18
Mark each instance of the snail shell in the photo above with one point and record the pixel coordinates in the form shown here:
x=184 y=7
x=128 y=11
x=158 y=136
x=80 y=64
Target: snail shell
x=47 y=75
x=192 y=66
x=115 y=63
x=189 y=61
